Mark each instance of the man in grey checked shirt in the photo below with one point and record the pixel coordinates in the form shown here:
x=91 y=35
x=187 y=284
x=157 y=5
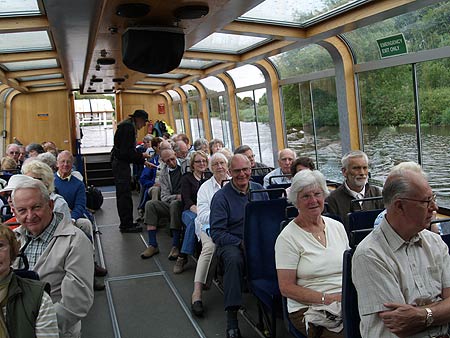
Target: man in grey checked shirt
x=401 y=271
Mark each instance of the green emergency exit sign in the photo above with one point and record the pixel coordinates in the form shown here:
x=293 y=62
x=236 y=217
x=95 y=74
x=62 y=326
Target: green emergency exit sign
x=392 y=46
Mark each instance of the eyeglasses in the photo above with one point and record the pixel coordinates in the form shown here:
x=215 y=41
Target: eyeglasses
x=200 y=161
x=309 y=196
x=221 y=163
x=428 y=201
x=238 y=171
x=14 y=152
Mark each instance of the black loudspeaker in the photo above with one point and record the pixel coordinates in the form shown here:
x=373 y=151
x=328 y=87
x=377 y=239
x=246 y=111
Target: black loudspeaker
x=152 y=50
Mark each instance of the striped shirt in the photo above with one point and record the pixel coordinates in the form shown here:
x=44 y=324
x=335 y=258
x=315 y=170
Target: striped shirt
x=46 y=322
x=38 y=244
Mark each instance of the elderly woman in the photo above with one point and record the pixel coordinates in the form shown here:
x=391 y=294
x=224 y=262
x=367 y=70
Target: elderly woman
x=218 y=165
x=28 y=310
x=190 y=182
x=215 y=145
x=308 y=255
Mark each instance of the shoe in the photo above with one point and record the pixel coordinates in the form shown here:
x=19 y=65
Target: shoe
x=179 y=265
x=99 y=271
x=233 y=333
x=149 y=252
x=197 y=308
x=98 y=286
x=174 y=253
x=131 y=229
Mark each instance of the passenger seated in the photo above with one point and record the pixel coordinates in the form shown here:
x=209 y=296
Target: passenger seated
x=149 y=178
x=9 y=167
x=201 y=144
x=308 y=255
x=401 y=272
x=301 y=163
x=21 y=297
x=258 y=169
x=227 y=230
x=59 y=252
x=49 y=159
x=190 y=182
x=169 y=206
x=34 y=149
x=218 y=165
x=355 y=169
x=285 y=159
x=13 y=151
x=215 y=145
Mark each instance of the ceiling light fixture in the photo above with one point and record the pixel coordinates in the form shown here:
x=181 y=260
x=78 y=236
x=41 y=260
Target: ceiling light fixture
x=190 y=12
x=133 y=10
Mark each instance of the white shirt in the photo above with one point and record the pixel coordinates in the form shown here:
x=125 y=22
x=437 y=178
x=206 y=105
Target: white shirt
x=277 y=180
x=318 y=268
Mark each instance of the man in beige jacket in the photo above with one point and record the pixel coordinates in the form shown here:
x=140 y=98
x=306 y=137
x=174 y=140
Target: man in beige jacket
x=58 y=251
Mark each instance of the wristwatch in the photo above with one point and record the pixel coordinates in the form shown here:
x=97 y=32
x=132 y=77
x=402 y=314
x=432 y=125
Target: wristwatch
x=429 y=318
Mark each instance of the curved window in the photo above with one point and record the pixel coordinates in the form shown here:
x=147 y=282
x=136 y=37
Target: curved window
x=212 y=85
x=189 y=90
x=220 y=121
x=196 y=119
x=174 y=95
x=423 y=30
x=177 y=111
x=312 y=123
x=296 y=62
x=246 y=76
x=254 y=124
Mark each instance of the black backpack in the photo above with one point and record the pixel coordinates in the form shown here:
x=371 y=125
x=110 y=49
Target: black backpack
x=94 y=198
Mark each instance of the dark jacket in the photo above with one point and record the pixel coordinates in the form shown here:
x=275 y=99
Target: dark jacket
x=125 y=143
x=339 y=202
x=227 y=213
x=22 y=308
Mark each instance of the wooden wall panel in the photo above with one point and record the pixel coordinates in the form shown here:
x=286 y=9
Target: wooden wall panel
x=131 y=102
x=38 y=117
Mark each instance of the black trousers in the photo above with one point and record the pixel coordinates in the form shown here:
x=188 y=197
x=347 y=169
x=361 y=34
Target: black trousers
x=122 y=180
x=233 y=262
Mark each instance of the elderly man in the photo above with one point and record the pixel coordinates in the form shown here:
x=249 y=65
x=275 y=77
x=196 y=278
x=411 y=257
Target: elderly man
x=355 y=169
x=285 y=159
x=169 y=206
x=122 y=155
x=59 y=252
x=73 y=191
x=13 y=151
x=227 y=230
x=400 y=270
x=258 y=169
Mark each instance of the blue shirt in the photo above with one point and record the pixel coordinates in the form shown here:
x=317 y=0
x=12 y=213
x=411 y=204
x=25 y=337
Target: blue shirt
x=227 y=213
x=74 y=193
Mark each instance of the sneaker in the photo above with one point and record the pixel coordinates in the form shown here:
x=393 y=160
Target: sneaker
x=131 y=229
x=149 y=252
x=98 y=285
x=99 y=271
x=174 y=252
x=179 y=265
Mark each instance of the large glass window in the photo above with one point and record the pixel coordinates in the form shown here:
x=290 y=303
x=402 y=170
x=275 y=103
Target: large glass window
x=254 y=124
x=220 y=122
x=312 y=123
x=388 y=119
x=434 y=101
x=423 y=30
x=177 y=111
x=196 y=119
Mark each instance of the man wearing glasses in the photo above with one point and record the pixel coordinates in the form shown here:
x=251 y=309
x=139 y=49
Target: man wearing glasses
x=400 y=270
x=13 y=151
x=227 y=232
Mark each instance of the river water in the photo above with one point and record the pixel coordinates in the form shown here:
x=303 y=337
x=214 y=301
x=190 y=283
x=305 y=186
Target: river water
x=386 y=147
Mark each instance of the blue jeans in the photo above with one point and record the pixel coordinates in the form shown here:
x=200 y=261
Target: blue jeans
x=188 y=218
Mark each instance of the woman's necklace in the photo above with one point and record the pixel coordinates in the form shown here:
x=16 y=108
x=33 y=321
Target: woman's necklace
x=319 y=235
x=197 y=177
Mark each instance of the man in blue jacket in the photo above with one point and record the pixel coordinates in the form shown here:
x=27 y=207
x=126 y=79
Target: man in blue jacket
x=227 y=232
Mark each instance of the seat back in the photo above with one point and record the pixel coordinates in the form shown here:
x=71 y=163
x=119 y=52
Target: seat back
x=362 y=219
x=289 y=326
x=277 y=190
x=350 y=313
x=261 y=229
x=446 y=239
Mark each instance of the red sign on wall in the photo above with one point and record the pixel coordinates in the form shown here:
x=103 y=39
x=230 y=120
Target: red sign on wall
x=161 y=108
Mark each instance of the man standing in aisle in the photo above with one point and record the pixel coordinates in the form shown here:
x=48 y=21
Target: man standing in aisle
x=122 y=155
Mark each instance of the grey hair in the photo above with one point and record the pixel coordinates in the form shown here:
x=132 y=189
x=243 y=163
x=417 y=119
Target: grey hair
x=198 y=143
x=398 y=184
x=65 y=152
x=42 y=170
x=33 y=184
x=215 y=157
x=353 y=154
x=307 y=179
x=47 y=158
